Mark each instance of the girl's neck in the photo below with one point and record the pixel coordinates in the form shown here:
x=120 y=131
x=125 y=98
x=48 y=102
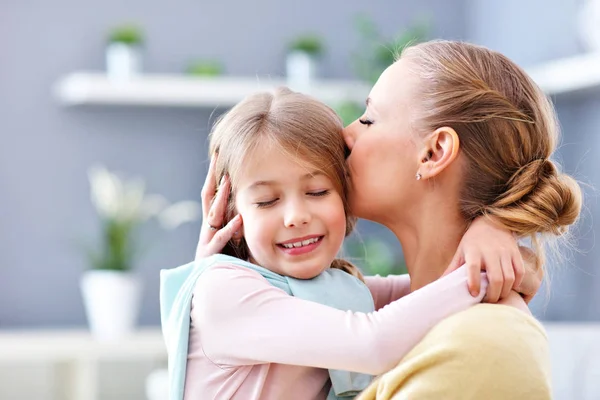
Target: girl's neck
x=429 y=241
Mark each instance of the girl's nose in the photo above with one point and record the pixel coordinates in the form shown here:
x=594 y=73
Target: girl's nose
x=297 y=214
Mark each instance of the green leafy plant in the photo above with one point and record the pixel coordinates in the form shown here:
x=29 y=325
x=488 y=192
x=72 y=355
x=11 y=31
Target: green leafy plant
x=123 y=205
x=376 y=52
x=126 y=34
x=349 y=111
x=309 y=44
x=374 y=256
x=205 y=68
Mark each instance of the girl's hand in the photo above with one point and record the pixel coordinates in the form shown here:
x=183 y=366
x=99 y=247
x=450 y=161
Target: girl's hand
x=533 y=276
x=213 y=235
x=486 y=246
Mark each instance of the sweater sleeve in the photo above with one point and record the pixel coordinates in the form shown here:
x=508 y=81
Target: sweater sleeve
x=490 y=352
x=241 y=319
x=387 y=289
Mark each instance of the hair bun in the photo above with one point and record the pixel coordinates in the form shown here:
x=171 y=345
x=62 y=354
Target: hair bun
x=538 y=199
x=525 y=180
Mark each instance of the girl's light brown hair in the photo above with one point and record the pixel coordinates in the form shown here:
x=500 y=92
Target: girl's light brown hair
x=303 y=128
x=508 y=131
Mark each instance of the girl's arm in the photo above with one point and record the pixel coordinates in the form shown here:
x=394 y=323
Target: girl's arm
x=385 y=290
x=241 y=319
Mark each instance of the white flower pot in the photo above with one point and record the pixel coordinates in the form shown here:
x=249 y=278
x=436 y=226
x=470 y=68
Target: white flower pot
x=301 y=69
x=589 y=24
x=112 y=302
x=123 y=61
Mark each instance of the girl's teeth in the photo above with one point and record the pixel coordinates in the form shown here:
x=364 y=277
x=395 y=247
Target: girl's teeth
x=300 y=244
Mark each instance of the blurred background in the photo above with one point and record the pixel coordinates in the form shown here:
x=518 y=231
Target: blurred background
x=105 y=109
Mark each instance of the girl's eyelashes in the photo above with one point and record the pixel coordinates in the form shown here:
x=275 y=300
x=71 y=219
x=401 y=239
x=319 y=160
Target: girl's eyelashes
x=265 y=204
x=319 y=193
x=366 y=121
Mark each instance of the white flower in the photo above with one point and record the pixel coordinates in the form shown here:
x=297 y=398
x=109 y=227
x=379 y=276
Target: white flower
x=125 y=200
x=106 y=189
x=179 y=213
x=152 y=205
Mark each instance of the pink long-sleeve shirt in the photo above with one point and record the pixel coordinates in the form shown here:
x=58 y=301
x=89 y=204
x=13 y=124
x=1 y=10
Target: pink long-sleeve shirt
x=252 y=341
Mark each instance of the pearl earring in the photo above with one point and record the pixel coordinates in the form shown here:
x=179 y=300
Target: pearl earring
x=418 y=176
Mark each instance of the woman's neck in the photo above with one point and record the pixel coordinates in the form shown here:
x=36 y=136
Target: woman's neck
x=429 y=241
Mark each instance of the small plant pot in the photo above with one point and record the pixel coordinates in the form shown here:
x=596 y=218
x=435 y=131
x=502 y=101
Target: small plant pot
x=301 y=69
x=112 y=302
x=123 y=61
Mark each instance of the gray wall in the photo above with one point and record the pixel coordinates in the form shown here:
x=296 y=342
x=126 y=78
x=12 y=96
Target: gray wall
x=536 y=31
x=45 y=150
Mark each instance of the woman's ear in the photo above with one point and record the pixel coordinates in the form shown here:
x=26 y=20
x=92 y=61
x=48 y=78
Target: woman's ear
x=440 y=150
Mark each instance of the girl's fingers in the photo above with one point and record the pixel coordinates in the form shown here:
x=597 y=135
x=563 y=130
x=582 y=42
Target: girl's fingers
x=509 y=276
x=220 y=238
x=208 y=190
x=519 y=268
x=495 y=279
x=216 y=214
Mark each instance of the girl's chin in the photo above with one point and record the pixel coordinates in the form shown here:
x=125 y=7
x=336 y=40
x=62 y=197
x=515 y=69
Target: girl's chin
x=306 y=273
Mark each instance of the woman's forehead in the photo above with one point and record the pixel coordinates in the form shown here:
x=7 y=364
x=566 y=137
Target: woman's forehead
x=393 y=88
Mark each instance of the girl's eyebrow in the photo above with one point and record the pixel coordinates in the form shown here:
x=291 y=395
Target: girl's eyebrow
x=309 y=175
x=258 y=184
x=312 y=174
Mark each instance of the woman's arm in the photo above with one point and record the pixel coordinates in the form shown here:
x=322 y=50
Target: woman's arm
x=244 y=320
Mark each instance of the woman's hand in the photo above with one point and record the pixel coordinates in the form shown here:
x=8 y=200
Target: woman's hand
x=485 y=246
x=213 y=235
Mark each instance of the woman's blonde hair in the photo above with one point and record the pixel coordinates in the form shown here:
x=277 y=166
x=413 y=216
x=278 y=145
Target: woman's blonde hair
x=508 y=131
x=303 y=128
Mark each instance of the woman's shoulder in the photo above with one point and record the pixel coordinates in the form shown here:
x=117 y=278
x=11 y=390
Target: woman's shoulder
x=486 y=352
x=491 y=352
x=495 y=330
x=496 y=337
x=490 y=322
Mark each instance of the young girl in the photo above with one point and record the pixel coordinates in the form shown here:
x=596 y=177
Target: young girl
x=285 y=319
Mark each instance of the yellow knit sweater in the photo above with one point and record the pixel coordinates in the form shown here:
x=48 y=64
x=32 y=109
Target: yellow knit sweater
x=489 y=352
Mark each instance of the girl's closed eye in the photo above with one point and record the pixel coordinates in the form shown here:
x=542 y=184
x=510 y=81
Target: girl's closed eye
x=366 y=121
x=319 y=193
x=264 y=204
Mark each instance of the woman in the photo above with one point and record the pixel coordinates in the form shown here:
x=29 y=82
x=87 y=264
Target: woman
x=451 y=132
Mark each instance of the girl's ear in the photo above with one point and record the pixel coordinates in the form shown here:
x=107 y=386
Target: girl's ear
x=237 y=237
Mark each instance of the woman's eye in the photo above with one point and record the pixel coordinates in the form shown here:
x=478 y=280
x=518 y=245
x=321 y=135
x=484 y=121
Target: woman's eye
x=319 y=194
x=264 y=204
x=366 y=121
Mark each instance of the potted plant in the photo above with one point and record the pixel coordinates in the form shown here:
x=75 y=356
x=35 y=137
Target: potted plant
x=205 y=68
x=111 y=289
x=302 y=60
x=377 y=52
x=375 y=55
x=123 y=52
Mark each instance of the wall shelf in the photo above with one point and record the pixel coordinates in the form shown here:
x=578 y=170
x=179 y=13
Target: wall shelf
x=568 y=75
x=81 y=88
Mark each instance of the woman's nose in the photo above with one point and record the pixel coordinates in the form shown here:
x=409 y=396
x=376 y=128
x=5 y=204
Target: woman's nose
x=349 y=134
